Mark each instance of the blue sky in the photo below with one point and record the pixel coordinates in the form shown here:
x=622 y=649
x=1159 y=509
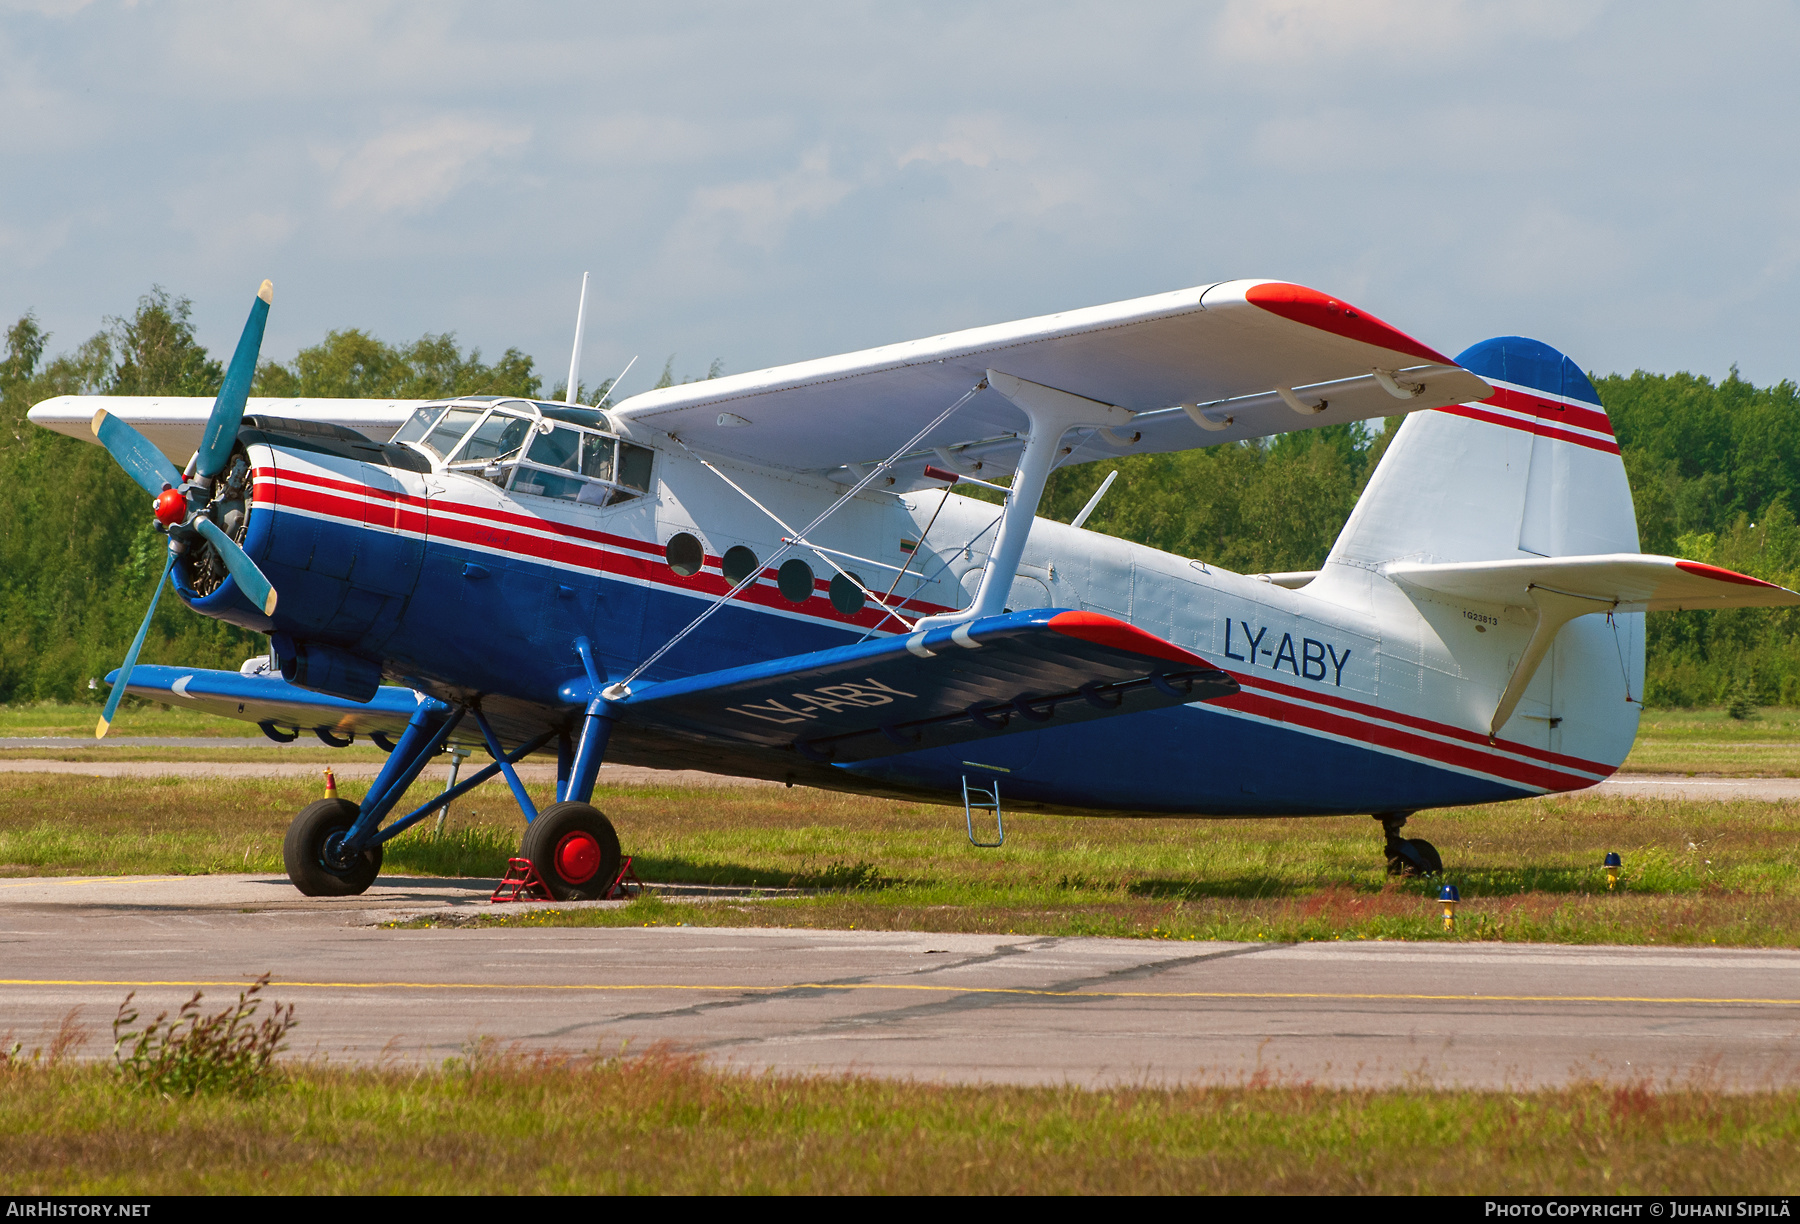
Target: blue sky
x=768 y=183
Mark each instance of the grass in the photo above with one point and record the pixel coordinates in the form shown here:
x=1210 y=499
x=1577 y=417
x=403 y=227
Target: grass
x=494 y=1123
x=1695 y=872
x=1711 y=742
x=51 y=718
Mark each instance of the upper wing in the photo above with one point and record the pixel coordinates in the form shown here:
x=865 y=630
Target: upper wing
x=1635 y=581
x=1229 y=350
x=175 y=423
x=264 y=698
x=1024 y=671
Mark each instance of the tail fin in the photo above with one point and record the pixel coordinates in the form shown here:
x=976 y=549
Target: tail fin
x=1533 y=470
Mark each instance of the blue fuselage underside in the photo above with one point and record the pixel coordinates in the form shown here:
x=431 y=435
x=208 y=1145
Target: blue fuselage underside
x=512 y=631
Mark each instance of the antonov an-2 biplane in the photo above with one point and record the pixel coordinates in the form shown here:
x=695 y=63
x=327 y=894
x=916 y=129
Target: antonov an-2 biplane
x=770 y=575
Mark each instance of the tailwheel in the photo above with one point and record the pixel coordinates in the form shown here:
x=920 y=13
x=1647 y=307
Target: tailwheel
x=314 y=856
x=575 y=850
x=1413 y=856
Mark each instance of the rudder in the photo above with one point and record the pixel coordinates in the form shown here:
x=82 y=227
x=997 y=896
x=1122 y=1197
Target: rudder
x=1533 y=470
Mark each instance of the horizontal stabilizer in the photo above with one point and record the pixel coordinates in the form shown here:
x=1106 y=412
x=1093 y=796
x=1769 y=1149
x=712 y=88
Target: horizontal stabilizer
x=1625 y=582
x=1023 y=671
x=267 y=698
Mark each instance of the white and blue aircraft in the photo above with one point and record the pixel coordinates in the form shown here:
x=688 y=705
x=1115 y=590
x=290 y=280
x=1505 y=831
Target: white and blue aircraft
x=771 y=575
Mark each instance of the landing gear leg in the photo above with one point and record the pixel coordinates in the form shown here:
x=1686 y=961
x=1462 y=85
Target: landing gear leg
x=571 y=843
x=1407 y=856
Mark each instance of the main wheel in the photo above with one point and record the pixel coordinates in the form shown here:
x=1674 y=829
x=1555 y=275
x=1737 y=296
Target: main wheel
x=575 y=851
x=313 y=852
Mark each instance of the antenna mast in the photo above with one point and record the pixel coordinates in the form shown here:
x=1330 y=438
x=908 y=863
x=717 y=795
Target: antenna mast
x=575 y=357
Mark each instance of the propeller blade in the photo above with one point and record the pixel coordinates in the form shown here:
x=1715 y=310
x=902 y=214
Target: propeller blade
x=137 y=644
x=250 y=580
x=132 y=451
x=228 y=409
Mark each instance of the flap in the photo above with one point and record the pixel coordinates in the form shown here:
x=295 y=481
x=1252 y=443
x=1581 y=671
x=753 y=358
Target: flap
x=1019 y=672
x=1634 y=581
x=264 y=697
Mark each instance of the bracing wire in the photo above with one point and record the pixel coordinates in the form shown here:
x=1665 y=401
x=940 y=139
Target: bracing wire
x=623 y=688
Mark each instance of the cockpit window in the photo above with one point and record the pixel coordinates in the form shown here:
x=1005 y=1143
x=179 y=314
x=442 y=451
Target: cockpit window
x=556 y=449
x=498 y=438
x=442 y=440
x=418 y=424
x=533 y=451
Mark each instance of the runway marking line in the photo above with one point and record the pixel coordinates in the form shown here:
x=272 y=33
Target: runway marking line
x=52 y=882
x=991 y=990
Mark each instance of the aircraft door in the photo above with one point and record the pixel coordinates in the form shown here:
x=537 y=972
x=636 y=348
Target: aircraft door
x=395 y=525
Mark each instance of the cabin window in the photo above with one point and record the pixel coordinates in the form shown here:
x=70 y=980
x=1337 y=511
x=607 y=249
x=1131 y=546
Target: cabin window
x=846 y=594
x=738 y=564
x=686 y=554
x=795 y=580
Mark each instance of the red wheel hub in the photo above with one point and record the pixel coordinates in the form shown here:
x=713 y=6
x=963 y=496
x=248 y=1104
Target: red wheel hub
x=577 y=857
x=171 y=507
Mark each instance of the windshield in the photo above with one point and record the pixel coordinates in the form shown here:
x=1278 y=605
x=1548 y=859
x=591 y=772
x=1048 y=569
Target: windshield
x=417 y=424
x=442 y=440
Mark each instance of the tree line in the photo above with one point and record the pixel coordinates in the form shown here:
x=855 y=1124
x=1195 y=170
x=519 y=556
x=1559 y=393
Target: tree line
x=1714 y=469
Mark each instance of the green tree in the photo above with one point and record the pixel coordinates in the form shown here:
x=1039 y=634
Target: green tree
x=353 y=364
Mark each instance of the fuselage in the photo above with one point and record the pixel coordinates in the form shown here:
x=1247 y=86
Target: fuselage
x=462 y=581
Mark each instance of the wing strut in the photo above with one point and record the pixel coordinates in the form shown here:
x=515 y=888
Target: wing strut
x=1553 y=610
x=1052 y=413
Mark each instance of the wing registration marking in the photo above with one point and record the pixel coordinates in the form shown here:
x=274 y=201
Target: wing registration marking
x=829 y=697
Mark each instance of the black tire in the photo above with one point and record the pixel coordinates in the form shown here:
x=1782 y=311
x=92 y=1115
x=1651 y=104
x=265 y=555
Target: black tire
x=1430 y=861
x=306 y=852
x=575 y=850
x=1413 y=856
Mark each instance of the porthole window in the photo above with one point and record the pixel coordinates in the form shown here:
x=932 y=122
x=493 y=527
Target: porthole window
x=739 y=564
x=686 y=554
x=795 y=579
x=847 y=596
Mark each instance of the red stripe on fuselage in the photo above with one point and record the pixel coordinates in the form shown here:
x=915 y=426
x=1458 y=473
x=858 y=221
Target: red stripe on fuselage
x=1398 y=740
x=1431 y=726
x=554 y=547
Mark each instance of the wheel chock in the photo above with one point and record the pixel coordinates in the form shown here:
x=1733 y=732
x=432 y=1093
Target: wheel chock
x=521 y=883
x=627 y=885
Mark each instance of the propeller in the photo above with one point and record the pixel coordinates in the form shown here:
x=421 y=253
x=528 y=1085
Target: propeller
x=137 y=644
x=183 y=504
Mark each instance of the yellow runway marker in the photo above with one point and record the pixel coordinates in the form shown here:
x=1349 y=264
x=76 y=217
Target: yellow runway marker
x=42 y=881
x=595 y=988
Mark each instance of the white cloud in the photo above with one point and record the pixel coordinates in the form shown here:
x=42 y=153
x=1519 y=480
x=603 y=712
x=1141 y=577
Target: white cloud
x=409 y=169
x=972 y=140
x=759 y=212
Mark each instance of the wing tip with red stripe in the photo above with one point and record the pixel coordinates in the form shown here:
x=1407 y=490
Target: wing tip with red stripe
x=1303 y=305
x=1109 y=631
